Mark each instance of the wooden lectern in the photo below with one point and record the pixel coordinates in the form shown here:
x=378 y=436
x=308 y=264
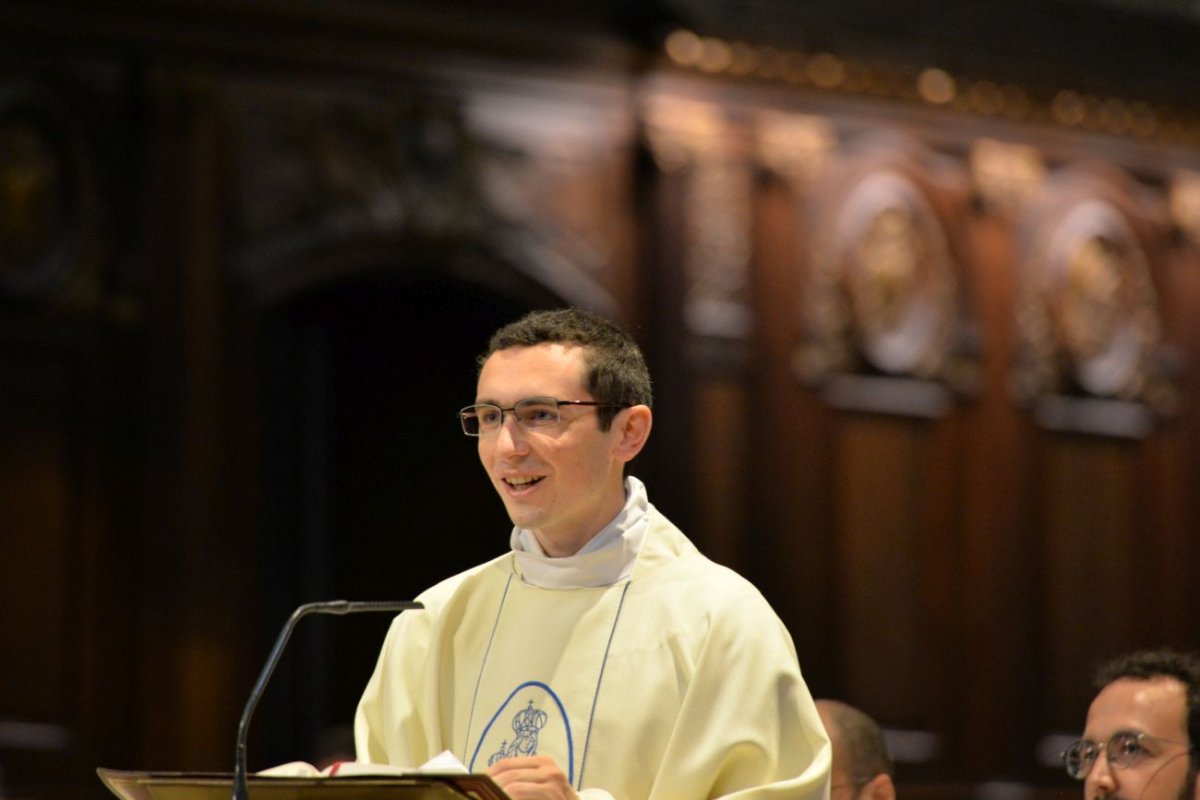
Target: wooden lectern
x=129 y=785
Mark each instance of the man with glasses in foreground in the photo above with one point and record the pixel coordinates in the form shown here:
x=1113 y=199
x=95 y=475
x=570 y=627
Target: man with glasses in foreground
x=862 y=767
x=1140 y=741
x=603 y=656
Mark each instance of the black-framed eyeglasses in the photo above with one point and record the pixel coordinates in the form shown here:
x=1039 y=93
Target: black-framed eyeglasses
x=532 y=414
x=1123 y=749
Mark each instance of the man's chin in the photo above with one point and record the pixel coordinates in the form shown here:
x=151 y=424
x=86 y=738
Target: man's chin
x=522 y=516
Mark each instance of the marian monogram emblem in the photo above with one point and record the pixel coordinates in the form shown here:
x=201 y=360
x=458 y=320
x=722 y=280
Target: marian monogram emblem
x=540 y=727
x=526 y=725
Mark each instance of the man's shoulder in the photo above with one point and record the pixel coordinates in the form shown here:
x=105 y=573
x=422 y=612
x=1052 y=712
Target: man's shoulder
x=442 y=592
x=681 y=566
x=701 y=604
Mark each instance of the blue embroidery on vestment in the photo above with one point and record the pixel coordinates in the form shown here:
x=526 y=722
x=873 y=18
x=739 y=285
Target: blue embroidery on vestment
x=527 y=724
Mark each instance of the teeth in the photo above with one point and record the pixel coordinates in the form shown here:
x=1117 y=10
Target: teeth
x=521 y=481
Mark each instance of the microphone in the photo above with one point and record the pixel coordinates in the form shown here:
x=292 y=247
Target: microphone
x=240 y=790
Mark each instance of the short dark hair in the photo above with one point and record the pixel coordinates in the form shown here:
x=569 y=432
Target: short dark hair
x=615 y=368
x=1147 y=665
x=862 y=741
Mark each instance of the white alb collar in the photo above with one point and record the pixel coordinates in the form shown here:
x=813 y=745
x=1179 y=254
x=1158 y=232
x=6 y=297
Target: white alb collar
x=607 y=558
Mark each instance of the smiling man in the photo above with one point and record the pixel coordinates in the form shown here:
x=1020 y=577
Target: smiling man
x=603 y=656
x=1142 y=727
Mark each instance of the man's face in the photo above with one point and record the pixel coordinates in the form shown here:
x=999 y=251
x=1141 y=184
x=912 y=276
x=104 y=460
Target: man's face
x=564 y=483
x=1158 y=709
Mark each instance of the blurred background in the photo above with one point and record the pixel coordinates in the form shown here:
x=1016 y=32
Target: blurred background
x=919 y=287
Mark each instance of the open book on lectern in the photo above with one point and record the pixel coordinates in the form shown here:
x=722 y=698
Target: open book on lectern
x=129 y=785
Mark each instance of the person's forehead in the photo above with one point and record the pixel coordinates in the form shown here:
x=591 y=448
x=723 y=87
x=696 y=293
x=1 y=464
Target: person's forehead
x=1156 y=707
x=543 y=369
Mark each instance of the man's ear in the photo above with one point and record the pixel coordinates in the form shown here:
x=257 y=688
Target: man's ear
x=881 y=788
x=633 y=424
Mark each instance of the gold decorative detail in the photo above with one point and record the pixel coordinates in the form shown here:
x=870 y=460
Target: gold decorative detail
x=936 y=86
x=888 y=257
x=833 y=72
x=1089 y=313
x=793 y=145
x=1006 y=175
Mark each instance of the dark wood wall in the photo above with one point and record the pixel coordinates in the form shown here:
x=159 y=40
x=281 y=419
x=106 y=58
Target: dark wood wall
x=925 y=362
x=956 y=521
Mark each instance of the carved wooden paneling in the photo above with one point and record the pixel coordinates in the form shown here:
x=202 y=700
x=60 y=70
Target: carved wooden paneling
x=884 y=322
x=696 y=141
x=1092 y=538
x=790 y=435
x=1098 y=327
x=998 y=532
x=878 y=487
x=708 y=176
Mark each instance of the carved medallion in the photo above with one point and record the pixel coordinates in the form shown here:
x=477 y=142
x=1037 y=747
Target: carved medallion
x=1094 y=323
x=1087 y=319
x=884 y=294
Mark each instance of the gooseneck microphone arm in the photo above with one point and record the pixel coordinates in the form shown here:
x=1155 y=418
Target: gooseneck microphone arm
x=240 y=789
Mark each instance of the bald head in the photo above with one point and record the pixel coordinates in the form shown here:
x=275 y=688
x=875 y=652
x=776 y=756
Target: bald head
x=858 y=745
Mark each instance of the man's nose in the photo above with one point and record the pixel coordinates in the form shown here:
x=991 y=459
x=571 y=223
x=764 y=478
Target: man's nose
x=510 y=435
x=1101 y=780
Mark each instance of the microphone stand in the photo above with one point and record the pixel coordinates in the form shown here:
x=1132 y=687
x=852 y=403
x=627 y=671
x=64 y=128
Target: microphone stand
x=339 y=607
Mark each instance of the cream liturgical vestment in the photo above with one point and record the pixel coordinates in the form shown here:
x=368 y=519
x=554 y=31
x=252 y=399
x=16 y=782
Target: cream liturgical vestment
x=672 y=679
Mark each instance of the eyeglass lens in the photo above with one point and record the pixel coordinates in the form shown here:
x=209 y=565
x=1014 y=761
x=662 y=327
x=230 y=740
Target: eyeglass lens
x=1123 y=750
x=531 y=413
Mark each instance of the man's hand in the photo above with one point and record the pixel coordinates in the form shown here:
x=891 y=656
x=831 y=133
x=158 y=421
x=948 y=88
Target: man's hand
x=532 y=778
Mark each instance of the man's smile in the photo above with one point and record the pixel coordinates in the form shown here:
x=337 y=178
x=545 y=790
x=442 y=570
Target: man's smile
x=523 y=482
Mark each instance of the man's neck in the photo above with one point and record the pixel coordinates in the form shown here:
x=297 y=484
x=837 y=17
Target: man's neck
x=568 y=544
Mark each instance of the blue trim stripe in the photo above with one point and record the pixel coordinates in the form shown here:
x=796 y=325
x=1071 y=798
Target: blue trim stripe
x=596 y=697
x=483 y=665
